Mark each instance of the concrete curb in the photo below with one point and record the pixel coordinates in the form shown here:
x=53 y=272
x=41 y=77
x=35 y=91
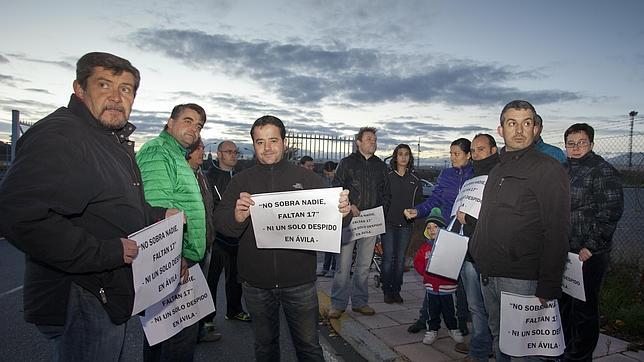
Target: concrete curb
x=369 y=346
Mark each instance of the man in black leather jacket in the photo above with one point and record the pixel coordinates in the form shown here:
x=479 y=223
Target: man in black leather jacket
x=363 y=174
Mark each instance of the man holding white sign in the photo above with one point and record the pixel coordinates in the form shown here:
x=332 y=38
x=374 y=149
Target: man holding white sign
x=272 y=277
x=363 y=174
x=521 y=237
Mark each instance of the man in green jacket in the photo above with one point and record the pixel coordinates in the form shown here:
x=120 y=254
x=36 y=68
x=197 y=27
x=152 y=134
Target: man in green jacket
x=168 y=181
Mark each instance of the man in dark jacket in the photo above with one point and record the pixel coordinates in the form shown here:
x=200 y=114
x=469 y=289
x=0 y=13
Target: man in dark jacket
x=224 y=249
x=520 y=242
x=484 y=157
x=274 y=277
x=69 y=201
x=363 y=174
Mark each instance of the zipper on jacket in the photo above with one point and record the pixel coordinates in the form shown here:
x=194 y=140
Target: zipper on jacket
x=101 y=292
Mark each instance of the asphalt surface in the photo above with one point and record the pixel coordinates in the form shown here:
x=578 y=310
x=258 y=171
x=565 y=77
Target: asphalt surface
x=22 y=341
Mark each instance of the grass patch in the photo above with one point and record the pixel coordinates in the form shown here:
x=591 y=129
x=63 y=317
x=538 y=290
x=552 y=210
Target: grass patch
x=622 y=304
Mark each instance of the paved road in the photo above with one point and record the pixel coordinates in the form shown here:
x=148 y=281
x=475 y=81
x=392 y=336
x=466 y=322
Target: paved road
x=22 y=342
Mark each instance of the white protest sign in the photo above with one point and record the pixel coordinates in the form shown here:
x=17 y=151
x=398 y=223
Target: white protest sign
x=370 y=222
x=448 y=254
x=470 y=196
x=307 y=219
x=529 y=328
x=181 y=309
x=573 y=278
x=156 y=268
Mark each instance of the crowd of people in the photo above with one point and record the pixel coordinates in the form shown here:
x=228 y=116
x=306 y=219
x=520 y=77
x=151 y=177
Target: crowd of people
x=76 y=190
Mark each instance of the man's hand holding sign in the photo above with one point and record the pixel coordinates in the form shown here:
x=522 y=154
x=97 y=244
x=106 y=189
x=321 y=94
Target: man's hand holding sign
x=307 y=219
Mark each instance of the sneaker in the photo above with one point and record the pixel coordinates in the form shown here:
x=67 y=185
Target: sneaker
x=462 y=347
x=418 y=326
x=430 y=337
x=365 y=309
x=398 y=298
x=241 y=316
x=389 y=299
x=335 y=313
x=209 y=333
x=330 y=274
x=456 y=335
x=322 y=273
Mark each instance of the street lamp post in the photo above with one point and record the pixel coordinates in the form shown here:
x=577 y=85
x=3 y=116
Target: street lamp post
x=632 y=114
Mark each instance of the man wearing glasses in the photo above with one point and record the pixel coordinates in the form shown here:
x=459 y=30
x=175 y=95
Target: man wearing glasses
x=224 y=249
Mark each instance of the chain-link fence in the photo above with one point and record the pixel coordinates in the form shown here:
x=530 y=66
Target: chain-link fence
x=628 y=241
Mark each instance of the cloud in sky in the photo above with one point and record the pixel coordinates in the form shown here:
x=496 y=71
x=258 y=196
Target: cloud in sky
x=60 y=63
x=3 y=59
x=311 y=74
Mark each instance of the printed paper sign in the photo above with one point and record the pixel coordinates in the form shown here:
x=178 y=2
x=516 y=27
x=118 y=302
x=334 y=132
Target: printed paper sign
x=470 y=196
x=157 y=267
x=181 y=309
x=307 y=219
x=370 y=222
x=448 y=254
x=573 y=278
x=529 y=328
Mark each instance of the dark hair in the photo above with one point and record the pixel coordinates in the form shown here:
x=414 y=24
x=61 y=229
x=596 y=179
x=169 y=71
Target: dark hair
x=394 y=162
x=178 y=109
x=517 y=104
x=266 y=120
x=329 y=166
x=464 y=144
x=581 y=127
x=363 y=130
x=489 y=137
x=305 y=159
x=86 y=64
x=538 y=120
x=193 y=147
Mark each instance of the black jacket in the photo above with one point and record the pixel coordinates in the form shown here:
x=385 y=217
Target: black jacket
x=524 y=223
x=267 y=268
x=72 y=192
x=219 y=180
x=401 y=192
x=364 y=178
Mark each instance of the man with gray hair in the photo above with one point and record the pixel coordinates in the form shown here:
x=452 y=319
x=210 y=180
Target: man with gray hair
x=69 y=201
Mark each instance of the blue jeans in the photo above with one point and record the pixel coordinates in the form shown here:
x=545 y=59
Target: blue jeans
x=300 y=305
x=394 y=245
x=481 y=339
x=342 y=291
x=178 y=348
x=492 y=288
x=88 y=333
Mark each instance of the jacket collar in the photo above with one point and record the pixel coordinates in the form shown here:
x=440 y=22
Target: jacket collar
x=273 y=167
x=77 y=107
x=483 y=167
x=167 y=137
x=506 y=156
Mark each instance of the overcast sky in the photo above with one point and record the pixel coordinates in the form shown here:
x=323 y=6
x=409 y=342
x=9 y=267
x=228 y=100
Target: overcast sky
x=437 y=70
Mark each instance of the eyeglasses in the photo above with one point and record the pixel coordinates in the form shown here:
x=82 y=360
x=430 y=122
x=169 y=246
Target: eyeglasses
x=231 y=152
x=578 y=144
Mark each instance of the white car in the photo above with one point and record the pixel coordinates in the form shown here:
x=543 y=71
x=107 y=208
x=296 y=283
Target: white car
x=428 y=188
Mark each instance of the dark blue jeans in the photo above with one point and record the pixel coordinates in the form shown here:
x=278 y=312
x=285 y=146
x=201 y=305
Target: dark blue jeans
x=88 y=333
x=441 y=305
x=300 y=305
x=394 y=245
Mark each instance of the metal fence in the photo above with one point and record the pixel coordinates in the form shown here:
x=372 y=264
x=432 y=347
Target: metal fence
x=320 y=147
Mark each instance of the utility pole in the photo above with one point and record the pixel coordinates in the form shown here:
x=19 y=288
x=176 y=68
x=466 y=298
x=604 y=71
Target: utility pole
x=632 y=114
x=418 y=158
x=15 y=132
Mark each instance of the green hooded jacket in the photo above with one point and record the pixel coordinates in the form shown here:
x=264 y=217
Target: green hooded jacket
x=168 y=181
